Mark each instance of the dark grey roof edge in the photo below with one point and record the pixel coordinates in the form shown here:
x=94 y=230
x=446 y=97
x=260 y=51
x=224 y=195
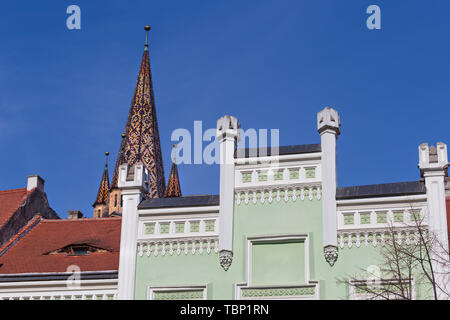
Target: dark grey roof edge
x=185 y=201
x=282 y=150
x=88 y=275
x=381 y=190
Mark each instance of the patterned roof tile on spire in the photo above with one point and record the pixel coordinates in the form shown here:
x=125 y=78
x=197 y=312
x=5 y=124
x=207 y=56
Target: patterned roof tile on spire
x=103 y=189
x=173 y=188
x=141 y=137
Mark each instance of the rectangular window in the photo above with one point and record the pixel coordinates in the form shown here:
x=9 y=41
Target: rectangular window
x=279 y=263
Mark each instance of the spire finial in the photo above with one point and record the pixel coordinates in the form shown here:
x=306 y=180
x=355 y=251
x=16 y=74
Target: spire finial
x=174 y=160
x=106 y=161
x=147 y=29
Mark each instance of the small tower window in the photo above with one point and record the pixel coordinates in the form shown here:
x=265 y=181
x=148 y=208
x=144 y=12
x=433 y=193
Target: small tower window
x=115 y=200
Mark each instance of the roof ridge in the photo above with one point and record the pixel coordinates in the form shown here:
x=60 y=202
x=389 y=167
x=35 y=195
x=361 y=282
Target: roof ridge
x=14 y=190
x=380 y=184
x=81 y=219
x=21 y=234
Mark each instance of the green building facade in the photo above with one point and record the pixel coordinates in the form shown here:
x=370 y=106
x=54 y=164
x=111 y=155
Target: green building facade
x=280 y=227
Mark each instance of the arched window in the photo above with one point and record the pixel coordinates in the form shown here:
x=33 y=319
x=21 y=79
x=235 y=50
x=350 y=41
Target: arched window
x=115 y=200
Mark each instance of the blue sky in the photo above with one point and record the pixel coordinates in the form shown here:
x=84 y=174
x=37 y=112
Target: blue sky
x=65 y=94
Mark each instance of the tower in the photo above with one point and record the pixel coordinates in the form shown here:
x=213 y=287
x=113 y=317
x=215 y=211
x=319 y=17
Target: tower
x=101 y=201
x=173 y=188
x=140 y=140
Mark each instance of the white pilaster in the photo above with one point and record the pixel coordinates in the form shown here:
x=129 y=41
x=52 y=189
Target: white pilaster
x=133 y=189
x=328 y=124
x=227 y=135
x=433 y=162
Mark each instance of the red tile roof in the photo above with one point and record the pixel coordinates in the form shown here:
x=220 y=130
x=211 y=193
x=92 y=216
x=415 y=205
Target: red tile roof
x=10 y=200
x=30 y=253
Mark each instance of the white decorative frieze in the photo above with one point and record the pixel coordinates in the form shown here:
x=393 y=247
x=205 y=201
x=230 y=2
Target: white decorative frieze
x=298 y=192
x=58 y=294
x=377 y=237
x=258 y=177
x=179 y=228
x=382 y=217
x=176 y=247
x=379 y=225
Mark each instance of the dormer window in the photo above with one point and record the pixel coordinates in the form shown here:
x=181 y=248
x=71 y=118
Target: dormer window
x=78 y=250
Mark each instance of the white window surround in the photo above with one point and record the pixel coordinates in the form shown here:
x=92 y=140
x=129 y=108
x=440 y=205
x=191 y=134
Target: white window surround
x=365 y=296
x=151 y=290
x=277 y=239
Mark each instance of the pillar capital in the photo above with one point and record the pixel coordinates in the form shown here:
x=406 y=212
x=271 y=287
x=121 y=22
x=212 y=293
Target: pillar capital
x=228 y=127
x=328 y=120
x=132 y=179
x=432 y=158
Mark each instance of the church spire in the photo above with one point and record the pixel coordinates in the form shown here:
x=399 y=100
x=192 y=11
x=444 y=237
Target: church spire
x=103 y=189
x=103 y=192
x=173 y=188
x=140 y=140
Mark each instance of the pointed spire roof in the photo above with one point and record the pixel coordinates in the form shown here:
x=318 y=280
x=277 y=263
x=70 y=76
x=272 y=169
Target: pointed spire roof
x=173 y=188
x=140 y=141
x=103 y=189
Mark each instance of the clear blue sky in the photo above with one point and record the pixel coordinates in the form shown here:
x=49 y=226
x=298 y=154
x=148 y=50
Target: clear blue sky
x=65 y=95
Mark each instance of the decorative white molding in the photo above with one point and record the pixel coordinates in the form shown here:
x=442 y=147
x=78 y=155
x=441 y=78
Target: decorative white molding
x=178 y=231
x=296 y=192
x=177 y=293
x=301 y=292
x=369 y=223
x=179 y=228
x=263 y=176
x=331 y=254
x=58 y=290
x=355 y=295
x=376 y=237
x=381 y=217
x=225 y=259
x=179 y=246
